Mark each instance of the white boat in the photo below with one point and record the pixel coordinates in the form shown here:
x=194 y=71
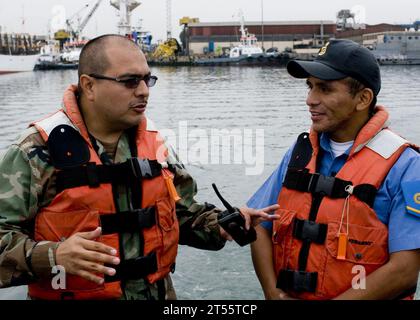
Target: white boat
x=50 y=53
x=71 y=56
x=17 y=63
x=248 y=44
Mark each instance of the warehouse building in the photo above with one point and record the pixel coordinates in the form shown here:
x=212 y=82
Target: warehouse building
x=206 y=37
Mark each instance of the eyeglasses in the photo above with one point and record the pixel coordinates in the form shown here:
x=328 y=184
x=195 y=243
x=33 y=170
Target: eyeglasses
x=130 y=82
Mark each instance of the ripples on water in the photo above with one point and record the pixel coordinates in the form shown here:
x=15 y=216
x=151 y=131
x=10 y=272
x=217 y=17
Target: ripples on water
x=216 y=98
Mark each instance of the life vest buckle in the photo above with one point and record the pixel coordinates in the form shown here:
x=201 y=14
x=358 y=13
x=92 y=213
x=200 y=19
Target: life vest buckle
x=133 y=269
x=141 y=168
x=128 y=221
x=310 y=230
x=321 y=184
x=297 y=281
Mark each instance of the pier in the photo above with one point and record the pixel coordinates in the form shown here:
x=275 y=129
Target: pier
x=20 y=44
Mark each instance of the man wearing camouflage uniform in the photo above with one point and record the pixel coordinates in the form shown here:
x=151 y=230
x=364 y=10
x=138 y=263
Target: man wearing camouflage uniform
x=28 y=182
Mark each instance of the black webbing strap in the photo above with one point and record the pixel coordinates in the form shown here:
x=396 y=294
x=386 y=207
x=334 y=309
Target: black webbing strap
x=93 y=175
x=134 y=268
x=129 y=222
x=302 y=180
x=300 y=280
x=366 y=193
x=161 y=289
x=297 y=281
x=310 y=230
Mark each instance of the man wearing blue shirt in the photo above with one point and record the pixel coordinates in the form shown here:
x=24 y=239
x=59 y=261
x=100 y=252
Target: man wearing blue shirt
x=349 y=192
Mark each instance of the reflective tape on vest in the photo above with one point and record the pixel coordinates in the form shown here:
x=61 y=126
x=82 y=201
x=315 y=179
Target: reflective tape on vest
x=386 y=143
x=47 y=125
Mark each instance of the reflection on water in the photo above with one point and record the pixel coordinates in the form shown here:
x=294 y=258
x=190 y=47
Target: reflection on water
x=215 y=98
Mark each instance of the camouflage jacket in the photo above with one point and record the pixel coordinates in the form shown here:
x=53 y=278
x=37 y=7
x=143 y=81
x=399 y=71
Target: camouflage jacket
x=27 y=183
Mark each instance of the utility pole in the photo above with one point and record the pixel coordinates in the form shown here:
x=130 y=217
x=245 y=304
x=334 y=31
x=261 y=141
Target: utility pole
x=23 y=18
x=168 y=19
x=262 y=24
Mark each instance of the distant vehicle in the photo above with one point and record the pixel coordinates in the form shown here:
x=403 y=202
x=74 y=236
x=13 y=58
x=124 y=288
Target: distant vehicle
x=272 y=51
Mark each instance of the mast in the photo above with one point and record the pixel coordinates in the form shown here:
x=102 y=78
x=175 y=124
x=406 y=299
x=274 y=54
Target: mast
x=168 y=19
x=125 y=7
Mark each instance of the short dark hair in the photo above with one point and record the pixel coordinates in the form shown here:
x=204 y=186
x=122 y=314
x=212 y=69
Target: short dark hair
x=93 y=57
x=356 y=86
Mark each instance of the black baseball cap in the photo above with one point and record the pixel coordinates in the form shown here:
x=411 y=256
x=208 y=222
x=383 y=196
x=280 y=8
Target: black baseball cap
x=337 y=60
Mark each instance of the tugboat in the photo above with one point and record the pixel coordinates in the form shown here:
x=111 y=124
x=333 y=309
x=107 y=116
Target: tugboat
x=248 y=53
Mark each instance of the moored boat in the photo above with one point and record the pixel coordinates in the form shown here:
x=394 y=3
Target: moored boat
x=10 y=63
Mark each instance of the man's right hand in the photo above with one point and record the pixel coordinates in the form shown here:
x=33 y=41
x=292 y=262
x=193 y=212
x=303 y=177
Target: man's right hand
x=278 y=294
x=80 y=255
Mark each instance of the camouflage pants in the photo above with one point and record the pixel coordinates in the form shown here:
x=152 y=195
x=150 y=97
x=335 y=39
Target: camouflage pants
x=142 y=290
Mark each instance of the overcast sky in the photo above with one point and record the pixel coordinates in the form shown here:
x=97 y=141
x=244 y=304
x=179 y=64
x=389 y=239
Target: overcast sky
x=152 y=13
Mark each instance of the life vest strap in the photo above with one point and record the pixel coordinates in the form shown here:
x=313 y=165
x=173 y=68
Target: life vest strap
x=315 y=183
x=310 y=230
x=93 y=175
x=297 y=281
x=133 y=269
x=129 y=221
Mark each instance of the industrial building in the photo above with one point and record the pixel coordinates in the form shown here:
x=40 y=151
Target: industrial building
x=302 y=36
x=359 y=35
x=203 y=37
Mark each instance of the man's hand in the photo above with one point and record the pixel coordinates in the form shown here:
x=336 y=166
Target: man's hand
x=278 y=294
x=80 y=255
x=254 y=217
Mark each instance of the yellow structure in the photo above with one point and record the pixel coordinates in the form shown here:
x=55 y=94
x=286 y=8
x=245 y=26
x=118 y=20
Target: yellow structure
x=167 y=50
x=188 y=20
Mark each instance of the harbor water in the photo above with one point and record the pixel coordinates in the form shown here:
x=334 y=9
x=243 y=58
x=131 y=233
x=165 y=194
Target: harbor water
x=205 y=99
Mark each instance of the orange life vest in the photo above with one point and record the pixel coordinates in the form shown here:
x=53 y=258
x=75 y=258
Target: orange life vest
x=83 y=208
x=314 y=255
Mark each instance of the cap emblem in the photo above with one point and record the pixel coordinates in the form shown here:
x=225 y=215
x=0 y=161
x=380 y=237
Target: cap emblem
x=323 y=49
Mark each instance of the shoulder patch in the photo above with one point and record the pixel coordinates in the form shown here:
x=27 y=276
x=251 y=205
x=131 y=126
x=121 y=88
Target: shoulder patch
x=411 y=191
x=67 y=147
x=386 y=143
x=302 y=152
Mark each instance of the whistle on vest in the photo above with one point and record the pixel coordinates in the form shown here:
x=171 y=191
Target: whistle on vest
x=169 y=180
x=232 y=221
x=342 y=246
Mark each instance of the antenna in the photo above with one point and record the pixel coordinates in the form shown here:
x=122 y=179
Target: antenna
x=225 y=203
x=168 y=19
x=262 y=24
x=23 y=18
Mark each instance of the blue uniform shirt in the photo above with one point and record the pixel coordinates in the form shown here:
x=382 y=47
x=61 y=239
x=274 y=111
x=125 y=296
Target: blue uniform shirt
x=390 y=205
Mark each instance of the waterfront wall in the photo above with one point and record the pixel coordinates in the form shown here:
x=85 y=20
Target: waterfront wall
x=17 y=44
